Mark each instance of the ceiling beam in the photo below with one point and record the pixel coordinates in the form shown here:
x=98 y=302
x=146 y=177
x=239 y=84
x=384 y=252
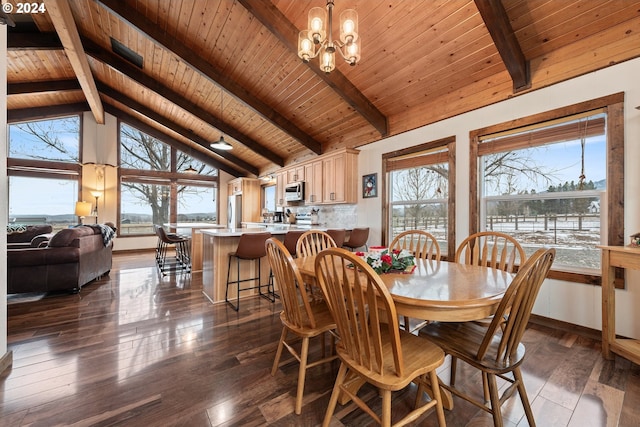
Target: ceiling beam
x=62 y=18
x=151 y=30
x=32 y=41
x=150 y=130
x=115 y=62
x=497 y=22
x=278 y=24
x=152 y=115
x=42 y=86
x=49 y=111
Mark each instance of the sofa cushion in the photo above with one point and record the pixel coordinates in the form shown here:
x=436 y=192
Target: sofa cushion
x=17 y=233
x=66 y=236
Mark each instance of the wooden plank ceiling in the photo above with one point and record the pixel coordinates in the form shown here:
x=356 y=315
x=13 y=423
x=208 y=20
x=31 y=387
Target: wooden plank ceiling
x=231 y=66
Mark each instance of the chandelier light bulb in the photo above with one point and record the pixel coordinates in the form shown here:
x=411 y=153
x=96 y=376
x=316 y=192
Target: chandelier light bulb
x=318 y=33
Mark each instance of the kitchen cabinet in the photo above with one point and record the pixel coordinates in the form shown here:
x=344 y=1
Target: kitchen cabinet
x=339 y=178
x=249 y=188
x=281 y=181
x=313 y=182
x=329 y=179
x=295 y=174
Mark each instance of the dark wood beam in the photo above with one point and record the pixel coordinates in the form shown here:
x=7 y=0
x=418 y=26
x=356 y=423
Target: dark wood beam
x=39 y=113
x=43 y=86
x=33 y=41
x=497 y=22
x=155 y=33
x=115 y=62
x=275 y=21
x=187 y=133
x=144 y=127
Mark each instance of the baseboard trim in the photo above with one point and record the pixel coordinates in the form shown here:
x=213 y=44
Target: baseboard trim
x=6 y=361
x=593 y=334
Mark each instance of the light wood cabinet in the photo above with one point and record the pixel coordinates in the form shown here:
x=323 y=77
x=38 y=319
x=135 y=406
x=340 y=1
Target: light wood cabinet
x=340 y=179
x=295 y=174
x=251 y=200
x=281 y=181
x=313 y=182
x=329 y=179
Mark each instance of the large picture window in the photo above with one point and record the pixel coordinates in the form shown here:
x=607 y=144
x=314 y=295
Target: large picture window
x=419 y=185
x=553 y=182
x=43 y=167
x=162 y=185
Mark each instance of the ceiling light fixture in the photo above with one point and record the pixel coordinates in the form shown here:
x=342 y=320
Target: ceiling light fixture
x=318 y=38
x=191 y=170
x=221 y=144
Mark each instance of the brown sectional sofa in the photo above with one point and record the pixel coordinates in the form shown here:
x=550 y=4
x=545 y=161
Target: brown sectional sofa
x=22 y=236
x=72 y=258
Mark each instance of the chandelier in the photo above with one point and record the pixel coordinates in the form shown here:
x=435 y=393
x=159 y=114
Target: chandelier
x=317 y=39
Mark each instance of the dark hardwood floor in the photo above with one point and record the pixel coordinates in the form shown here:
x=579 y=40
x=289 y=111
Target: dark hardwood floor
x=137 y=349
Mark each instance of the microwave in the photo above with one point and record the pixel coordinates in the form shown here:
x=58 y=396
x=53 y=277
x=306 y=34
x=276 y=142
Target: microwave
x=294 y=192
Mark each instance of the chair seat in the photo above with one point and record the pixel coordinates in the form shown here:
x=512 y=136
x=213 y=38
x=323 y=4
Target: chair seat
x=425 y=357
x=324 y=320
x=462 y=340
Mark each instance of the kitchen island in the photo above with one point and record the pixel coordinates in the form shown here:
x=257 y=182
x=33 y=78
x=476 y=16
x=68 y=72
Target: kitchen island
x=217 y=244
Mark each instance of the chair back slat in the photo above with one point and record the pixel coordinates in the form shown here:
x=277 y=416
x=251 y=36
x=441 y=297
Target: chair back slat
x=516 y=306
x=295 y=301
x=421 y=243
x=356 y=295
x=312 y=242
x=491 y=249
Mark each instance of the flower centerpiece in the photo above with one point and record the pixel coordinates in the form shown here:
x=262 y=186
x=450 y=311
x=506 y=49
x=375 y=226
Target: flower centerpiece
x=389 y=261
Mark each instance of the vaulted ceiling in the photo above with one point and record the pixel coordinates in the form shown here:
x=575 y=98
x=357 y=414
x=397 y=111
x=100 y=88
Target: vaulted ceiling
x=231 y=67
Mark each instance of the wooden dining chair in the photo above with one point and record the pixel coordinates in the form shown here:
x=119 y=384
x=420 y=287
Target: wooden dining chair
x=312 y=242
x=491 y=249
x=423 y=245
x=495 y=349
x=371 y=348
x=300 y=317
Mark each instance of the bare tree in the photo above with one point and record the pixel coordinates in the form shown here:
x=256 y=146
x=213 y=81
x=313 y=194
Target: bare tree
x=60 y=136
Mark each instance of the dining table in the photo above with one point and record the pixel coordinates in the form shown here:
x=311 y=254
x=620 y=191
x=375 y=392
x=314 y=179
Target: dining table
x=437 y=291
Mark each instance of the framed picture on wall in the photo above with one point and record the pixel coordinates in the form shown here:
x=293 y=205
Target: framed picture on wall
x=370 y=185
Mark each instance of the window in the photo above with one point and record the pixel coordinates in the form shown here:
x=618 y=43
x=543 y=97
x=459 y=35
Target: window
x=421 y=191
x=554 y=183
x=159 y=184
x=43 y=165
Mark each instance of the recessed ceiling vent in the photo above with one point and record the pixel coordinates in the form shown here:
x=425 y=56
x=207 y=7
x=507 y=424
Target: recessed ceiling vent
x=131 y=56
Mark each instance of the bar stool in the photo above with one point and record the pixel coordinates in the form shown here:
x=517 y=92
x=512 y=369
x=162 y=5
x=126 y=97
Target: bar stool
x=357 y=238
x=291 y=240
x=337 y=234
x=250 y=247
x=182 y=247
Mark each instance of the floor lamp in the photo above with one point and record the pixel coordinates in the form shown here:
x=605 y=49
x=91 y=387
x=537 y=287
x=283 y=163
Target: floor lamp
x=82 y=209
x=97 y=195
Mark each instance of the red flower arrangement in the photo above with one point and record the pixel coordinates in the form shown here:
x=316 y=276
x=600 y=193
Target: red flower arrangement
x=386 y=261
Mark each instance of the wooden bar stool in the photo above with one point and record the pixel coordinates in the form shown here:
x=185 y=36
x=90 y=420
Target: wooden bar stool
x=250 y=247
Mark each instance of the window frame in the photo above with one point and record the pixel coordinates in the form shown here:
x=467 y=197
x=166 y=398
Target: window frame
x=613 y=106
x=411 y=154
x=171 y=178
x=44 y=169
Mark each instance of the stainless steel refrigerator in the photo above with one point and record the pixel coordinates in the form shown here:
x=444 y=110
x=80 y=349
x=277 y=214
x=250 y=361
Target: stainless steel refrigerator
x=234 y=212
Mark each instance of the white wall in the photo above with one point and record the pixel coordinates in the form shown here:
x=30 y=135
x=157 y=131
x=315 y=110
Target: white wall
x=570 y=302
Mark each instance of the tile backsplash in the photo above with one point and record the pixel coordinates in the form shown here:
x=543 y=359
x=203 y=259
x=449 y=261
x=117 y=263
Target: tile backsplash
x=332 y=216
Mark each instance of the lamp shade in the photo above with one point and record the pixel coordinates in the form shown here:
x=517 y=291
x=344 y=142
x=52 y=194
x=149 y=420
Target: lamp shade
x=83 y=208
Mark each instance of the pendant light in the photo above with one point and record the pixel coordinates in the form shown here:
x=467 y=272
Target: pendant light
x=221 y=144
